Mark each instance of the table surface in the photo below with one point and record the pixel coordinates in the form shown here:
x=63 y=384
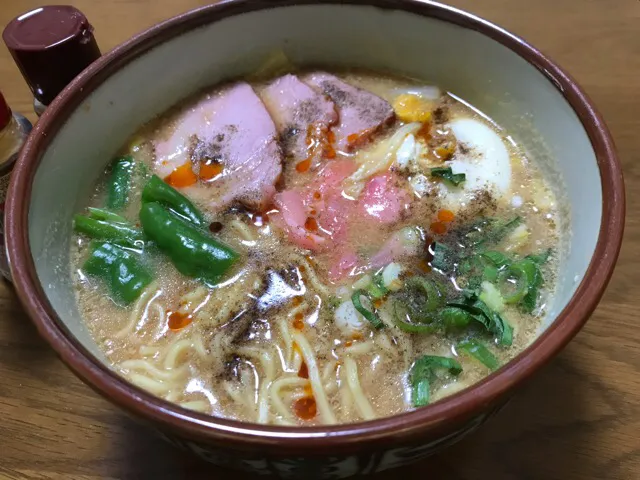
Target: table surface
x=578 y=419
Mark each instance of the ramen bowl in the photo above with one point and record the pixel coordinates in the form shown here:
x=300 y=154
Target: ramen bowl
x=495 y=71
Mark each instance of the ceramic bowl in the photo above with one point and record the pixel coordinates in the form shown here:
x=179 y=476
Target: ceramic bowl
x=492 y=69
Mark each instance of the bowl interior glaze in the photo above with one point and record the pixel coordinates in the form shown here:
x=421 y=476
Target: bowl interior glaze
x=86 y=125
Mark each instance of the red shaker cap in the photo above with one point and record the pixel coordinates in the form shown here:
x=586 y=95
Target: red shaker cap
x=5 y=112
x=51 y=45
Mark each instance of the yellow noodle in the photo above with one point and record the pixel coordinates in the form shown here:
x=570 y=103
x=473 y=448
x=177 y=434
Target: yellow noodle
x=177 y=349
x=237 y=396
x=146 y=366
x=383 y=154
x=268 y=366
x=359 y=348
x=191 y=298
x=146 y=351
x=324 y=408
x=310 y=274
x=329 y=378
x=276 y=400
x=139 y=312
x=197 y=405
x=362 y=404
x=172 y=396
x=346 y=398
x=198 y=346
x=244 y=230
x=150 y=385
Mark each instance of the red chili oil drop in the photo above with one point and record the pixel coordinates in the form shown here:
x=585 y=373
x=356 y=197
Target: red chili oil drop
x=305 y=408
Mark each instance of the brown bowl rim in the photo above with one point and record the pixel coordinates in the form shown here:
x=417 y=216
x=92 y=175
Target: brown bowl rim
x=453 y=410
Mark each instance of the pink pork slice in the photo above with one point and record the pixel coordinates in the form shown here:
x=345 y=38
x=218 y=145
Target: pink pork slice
x=361 y=113
x=233 y=128
x=295 y=107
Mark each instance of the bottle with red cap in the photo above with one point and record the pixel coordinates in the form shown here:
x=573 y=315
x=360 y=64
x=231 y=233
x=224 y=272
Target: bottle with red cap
x=51 y=45
x=14 y=129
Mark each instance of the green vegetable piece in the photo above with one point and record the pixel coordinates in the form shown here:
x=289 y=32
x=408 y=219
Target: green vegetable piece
x=443 y=258
x=193 y=253
x=422 y=373
x=430 y=293
x=103 y=214
x=479 y=352
x=492 y=321
x=119 y=233
x=158 y=191
x=489 y=231
x=119 y=183
x=491 y=296
x=401 y=315
x=447 y=174
x=124 y=274
x=540 y=258
x=498 y=259
x=376 y=288
x=455 y=318
x=531 y=271
x=368 y=314
x=514 y=284
x=501 y=229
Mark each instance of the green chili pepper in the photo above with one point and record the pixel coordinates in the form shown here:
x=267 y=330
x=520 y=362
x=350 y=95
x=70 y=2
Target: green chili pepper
x=158 y=191
x=119 y=183
x=479 y=352
x=422 y=372
x=369 y=315
x=120 y=233
x=103 y=214
x=193 y=253
x=125 y=276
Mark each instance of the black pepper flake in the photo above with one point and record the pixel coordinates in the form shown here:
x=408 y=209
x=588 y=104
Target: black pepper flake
x=215 y=227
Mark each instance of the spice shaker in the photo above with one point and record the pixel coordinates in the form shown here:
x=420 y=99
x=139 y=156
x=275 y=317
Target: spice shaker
x=51 y=45
x=14 y=129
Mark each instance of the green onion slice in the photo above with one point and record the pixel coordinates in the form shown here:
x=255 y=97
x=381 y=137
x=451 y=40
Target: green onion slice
x=454 y=317
x=369 y=315
x=479 y=352
x=401 y=313
x=422 y=372
x=514 y=285
x=433 y=294
x=447 y=174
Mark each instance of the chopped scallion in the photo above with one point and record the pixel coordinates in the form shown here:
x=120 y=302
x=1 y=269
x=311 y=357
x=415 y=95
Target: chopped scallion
x=421 y=375
x=447 y=174
x=368 y=314
x=479 y=352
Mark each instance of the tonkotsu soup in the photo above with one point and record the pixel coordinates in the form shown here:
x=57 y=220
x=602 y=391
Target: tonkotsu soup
x=316 y=248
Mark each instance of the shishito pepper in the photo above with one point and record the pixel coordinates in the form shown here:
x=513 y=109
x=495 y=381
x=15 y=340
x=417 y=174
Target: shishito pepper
x=98 y=227
x=158 y=191
x=193 y=252
x=120 y=269
x=119 y=183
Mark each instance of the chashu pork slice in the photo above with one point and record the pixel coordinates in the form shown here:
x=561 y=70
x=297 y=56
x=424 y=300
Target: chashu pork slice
x=362 y=113
x=303 y=118
x=221 y=150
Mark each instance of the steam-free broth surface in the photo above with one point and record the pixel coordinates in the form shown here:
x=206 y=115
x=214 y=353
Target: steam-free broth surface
x=316 y=248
